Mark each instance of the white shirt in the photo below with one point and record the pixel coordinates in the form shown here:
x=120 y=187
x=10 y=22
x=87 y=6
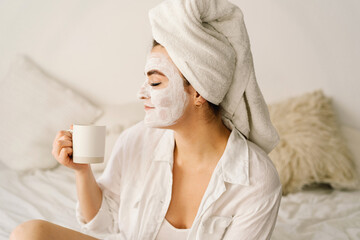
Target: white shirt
x=241 y=201
x=169 y=232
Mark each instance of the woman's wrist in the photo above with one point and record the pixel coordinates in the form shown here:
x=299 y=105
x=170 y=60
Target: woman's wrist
x=85 y=170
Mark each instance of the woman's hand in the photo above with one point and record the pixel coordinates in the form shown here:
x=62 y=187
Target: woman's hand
x=63 y=149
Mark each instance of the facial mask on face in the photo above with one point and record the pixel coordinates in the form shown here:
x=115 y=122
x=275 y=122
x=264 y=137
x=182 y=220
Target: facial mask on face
x=169 y=103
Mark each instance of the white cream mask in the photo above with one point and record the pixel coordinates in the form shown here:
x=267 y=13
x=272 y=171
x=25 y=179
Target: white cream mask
x=168 y=103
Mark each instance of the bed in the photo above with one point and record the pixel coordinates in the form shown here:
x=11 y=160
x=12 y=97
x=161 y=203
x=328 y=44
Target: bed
x=315 y=213
x=50 y=195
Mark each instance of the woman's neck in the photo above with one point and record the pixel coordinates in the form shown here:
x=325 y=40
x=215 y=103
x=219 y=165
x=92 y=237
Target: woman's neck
x=198 y=145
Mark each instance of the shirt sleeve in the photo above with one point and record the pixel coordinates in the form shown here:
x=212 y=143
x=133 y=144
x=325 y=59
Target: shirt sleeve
x=257 y=223
x=105 y=221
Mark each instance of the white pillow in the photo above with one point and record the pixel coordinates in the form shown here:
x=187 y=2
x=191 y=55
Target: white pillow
x=34 y=107
x=117 y=118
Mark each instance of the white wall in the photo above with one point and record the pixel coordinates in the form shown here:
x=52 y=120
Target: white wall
x=301 y=45
x=99 y=47
x=95 y=47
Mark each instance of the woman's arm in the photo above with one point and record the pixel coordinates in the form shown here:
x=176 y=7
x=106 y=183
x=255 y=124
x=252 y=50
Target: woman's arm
x=97 y=205
x=89 y=193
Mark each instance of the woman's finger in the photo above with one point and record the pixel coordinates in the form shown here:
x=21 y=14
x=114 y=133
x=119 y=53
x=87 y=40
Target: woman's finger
x=65 y=143
x=63 y=133
x=65 y=154
x=65 y=137
x=59 y=144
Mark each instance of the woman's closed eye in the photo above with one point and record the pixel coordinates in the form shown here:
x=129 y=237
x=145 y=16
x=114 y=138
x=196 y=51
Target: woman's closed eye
x=155 y=84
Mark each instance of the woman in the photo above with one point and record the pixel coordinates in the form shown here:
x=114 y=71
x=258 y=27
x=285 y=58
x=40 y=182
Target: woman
x=197 y=166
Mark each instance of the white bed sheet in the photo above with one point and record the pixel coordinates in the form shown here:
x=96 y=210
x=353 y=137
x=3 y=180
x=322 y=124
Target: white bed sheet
x=319 y=214
x=48 y=195
x=51 y=195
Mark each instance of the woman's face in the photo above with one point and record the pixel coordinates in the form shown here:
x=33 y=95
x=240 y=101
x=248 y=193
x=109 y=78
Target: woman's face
x=163 y=91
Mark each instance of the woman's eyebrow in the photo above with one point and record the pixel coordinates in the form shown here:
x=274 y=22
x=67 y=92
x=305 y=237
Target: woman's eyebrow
x=151 y=72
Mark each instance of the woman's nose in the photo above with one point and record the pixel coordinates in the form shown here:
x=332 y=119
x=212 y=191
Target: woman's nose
x=143 y=97
x=144 y=92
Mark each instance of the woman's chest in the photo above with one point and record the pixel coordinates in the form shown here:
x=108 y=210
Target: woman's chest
x=188 y=189
x=145 y=203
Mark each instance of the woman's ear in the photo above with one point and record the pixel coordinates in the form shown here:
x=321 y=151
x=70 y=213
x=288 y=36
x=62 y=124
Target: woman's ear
x=198 y=100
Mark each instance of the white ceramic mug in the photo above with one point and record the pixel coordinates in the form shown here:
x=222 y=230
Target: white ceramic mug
x=88 y=143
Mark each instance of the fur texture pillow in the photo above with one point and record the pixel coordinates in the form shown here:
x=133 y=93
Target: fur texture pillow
x=312 y=149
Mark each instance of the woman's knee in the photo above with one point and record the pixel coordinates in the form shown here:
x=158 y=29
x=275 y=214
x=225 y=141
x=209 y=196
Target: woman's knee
x=33 y=229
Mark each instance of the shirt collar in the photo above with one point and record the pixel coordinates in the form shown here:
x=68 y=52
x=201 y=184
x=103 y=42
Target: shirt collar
x=235 y=160
x=234 y=163
x=164 y=151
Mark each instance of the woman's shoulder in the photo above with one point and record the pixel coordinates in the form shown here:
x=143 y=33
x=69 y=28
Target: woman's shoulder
x=263 y=183
x=262 y=170
x=249 y=164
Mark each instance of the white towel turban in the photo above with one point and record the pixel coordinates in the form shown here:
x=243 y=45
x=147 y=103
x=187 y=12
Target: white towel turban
x=208 y=41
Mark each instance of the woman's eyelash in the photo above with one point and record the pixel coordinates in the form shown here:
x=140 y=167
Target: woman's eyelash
x=155 y=84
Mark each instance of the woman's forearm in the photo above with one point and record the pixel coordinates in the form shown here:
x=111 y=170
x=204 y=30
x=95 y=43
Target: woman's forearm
x=89 y=193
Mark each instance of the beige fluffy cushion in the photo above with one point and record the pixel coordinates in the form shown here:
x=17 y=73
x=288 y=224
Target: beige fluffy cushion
x=311 y=149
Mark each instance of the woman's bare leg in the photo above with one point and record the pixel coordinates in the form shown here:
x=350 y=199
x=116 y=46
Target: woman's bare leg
x=41 y=230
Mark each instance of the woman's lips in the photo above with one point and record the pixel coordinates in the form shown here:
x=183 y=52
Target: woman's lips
x=147 y=107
